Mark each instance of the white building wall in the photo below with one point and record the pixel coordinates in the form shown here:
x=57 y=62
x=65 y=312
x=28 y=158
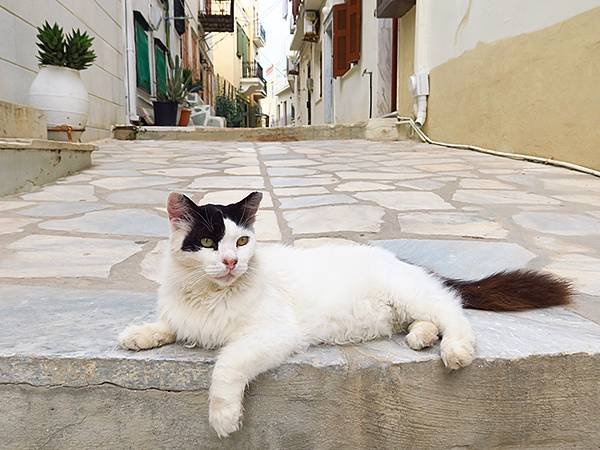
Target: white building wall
x=456 y=26
x=275 y=18
x=351 y=95
x=104 y=79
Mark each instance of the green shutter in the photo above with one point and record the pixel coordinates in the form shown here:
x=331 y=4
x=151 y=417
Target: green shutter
x=161 y=70
x=142 y=59
x=243 y=44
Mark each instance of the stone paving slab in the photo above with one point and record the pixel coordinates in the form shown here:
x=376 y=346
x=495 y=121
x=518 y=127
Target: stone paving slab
x=43 y=323
x=79 y=260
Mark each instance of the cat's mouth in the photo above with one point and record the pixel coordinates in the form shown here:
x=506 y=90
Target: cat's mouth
x=226 y=278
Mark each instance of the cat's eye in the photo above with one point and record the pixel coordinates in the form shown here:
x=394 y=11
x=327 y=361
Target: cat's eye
x=207 y=243
x=242 y=241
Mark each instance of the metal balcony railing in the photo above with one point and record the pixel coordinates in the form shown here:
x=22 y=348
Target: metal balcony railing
x=217 y=16
x=259 y=31
x=253 y=70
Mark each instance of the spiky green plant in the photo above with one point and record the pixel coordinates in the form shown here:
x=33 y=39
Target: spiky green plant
x=74 y=51
x=51 y=45
x=175 y=82
x=78 y=50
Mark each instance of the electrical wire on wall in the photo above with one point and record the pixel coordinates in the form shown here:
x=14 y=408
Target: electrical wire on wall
x=553 y=162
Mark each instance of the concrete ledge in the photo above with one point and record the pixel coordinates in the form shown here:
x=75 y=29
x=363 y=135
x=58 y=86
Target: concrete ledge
x=27 y=163
x=65 y=384
x=20 y=121
x=375 y=129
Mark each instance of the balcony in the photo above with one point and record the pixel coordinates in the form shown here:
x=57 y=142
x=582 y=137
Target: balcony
x=217 y=16
x=260 y=36
x=253 y=82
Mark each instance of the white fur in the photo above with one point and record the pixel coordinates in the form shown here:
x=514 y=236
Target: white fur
x=284 y=299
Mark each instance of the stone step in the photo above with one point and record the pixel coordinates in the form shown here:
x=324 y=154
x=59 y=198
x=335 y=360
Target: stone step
x=20 y=121
x=65 y=384
x=28 y=163
x=374 y=129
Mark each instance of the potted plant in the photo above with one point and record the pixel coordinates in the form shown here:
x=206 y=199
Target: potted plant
x=179 y=85
x=190 y=86
x=166 y=105
x=57 y=88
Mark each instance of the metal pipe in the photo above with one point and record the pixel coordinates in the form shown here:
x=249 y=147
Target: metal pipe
x=553 y=162
x=130 y=83
x=368 y=72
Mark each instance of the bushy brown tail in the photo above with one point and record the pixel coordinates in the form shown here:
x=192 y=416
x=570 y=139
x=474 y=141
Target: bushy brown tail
x=513 y=291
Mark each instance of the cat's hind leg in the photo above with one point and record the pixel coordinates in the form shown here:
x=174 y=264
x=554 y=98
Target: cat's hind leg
x=421 y=296
x=422 y=334
x=146 y=336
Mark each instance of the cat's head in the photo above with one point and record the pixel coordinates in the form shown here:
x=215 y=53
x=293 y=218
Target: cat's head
x=217 y=240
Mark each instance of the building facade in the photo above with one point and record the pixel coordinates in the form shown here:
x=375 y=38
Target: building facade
x=342 y=61
x=132 y=39
x=104 y=80
x=512 y=76
x=235 y=42
x=156 y=30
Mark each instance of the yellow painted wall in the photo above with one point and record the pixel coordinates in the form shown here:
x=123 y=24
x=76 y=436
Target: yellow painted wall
x=537 y=93
x=406 y=58
x=224 y=45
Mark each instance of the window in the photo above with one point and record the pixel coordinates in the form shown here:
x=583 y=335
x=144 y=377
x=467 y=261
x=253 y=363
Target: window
x=160 y=67
x=346 y=36
x=179 y=11
x=243 y=44
x=142 y=57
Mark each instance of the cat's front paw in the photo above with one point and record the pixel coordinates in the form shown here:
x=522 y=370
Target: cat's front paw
x=143 y=337
x=457 y=353
x=224 y=416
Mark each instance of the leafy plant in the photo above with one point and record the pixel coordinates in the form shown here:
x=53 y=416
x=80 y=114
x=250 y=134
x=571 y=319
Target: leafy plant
x=179 y=83
x=51 y=45
x=75 y=51
x=232 y=109
x=79 y=52
x=190 y=84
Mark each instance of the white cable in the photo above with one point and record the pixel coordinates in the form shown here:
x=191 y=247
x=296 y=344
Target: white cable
x=537 y=159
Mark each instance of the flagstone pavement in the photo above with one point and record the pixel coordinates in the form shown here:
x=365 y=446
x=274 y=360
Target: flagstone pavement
x=463 y=213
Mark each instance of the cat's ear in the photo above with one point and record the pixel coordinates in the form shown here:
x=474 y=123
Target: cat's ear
x=179 y=208
x=247 y=209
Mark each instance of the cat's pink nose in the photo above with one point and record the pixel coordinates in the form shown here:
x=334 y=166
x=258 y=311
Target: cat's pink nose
x=230 y=262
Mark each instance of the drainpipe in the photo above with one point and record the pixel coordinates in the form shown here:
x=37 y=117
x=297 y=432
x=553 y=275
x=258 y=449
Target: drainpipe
x=370 y=73
x=419 y=81
x=130 y=82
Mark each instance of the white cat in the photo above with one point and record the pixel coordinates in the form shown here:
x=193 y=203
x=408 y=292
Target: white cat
x=261 y=303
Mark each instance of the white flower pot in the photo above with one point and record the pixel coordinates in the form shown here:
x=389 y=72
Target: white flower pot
x=60 y=93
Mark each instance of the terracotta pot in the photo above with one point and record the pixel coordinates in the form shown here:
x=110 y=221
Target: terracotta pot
x=184 y=117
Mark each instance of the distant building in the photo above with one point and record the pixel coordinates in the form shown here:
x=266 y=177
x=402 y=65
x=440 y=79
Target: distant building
x=236 y=35
x=156 y=29
x=342 y=60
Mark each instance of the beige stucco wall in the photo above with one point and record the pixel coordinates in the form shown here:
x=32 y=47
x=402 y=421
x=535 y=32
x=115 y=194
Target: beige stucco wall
x=536 y=93
x=406 y=57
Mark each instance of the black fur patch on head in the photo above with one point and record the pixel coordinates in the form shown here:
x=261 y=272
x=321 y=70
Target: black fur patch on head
x=243 y=212
x=207 y=221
